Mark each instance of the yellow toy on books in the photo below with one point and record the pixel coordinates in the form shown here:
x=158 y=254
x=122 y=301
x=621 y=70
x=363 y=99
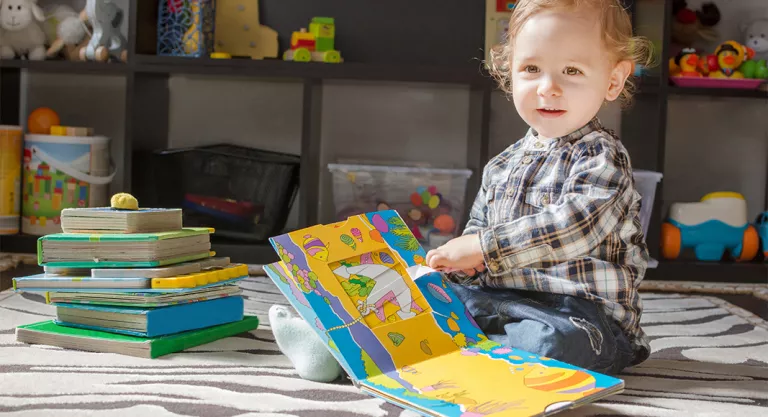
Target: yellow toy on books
x=402 y=335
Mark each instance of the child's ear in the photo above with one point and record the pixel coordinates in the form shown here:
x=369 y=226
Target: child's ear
x=619 y=75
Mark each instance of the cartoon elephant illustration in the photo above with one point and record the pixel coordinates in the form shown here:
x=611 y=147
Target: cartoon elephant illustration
x=390 y=286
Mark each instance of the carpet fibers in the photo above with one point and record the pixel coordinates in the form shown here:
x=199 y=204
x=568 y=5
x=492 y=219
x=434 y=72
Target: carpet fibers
x=710 y=358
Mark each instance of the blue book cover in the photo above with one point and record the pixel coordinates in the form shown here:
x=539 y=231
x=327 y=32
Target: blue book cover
x=159 y=321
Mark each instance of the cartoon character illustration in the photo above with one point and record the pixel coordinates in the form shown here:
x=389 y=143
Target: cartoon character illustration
x=315 y=248
x=388 y=285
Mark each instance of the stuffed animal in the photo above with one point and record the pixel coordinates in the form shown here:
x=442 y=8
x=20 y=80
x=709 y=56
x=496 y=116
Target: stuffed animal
x=22 y=34
x=689 y=26
x=67 y=32
x=756 y=37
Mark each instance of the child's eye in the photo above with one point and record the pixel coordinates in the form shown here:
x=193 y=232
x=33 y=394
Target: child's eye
x=572 y=71
x=531 y=69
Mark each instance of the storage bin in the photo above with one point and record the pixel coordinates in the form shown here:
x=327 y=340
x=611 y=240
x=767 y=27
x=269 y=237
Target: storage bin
x=185 y=27
x=430 y=200
x=62 y=172
x=645 y=183
x=244 y=193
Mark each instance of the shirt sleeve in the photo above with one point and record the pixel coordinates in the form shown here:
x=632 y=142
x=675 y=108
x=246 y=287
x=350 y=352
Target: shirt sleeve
x=478 y=214
x=596 y=194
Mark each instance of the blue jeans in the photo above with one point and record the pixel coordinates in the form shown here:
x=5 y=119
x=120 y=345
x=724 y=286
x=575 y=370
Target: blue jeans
x=566 y=328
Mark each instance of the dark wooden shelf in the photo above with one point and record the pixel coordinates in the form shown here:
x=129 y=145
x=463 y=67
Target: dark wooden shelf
x=62 y=66
x=276 y=68
x=755 y=272
x=718 y=92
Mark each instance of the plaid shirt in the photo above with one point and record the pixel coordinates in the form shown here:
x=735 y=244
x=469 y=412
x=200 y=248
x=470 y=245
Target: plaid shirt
x=561 y=216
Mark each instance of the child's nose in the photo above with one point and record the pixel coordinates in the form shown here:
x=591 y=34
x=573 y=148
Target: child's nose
x=549 y=87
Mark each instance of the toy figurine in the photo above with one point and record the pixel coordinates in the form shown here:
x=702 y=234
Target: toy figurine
x=727 y=59
x=107 y=41
x=315 y=45
x=710 y=226
x=685 y=64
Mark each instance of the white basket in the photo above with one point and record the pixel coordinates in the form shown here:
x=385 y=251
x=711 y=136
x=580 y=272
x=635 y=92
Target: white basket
x=645 y=182
x=363 y=188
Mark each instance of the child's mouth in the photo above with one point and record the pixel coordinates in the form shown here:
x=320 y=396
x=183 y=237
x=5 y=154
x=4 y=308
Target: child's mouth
x=550 y=112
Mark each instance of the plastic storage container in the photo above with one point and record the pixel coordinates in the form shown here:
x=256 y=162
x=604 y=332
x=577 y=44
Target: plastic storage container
x=430 y=200
x=645 y=182
x=244 y=193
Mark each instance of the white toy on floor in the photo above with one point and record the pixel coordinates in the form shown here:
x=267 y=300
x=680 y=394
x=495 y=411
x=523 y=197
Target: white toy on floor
x=306 y=351
x=21 y=34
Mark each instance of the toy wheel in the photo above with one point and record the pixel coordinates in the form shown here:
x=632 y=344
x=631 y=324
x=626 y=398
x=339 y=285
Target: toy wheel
x=302 y=55
x=750 y=244
x=671 y=241
x=332 y=57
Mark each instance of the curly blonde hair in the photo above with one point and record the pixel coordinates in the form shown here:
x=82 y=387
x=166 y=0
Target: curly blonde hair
x=617 y=36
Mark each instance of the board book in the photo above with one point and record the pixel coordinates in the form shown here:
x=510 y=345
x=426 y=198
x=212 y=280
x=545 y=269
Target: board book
x=140 y=299
x=52 y=334
x=151 y=322
x=402 y=335
x=115 y=250
x=111 y=220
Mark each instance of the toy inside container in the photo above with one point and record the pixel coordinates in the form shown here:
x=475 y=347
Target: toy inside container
x=430 y=200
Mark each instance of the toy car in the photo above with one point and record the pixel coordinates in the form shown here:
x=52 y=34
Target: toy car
x=711 y=226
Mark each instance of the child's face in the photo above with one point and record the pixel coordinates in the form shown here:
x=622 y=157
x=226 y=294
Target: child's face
x=562 y=73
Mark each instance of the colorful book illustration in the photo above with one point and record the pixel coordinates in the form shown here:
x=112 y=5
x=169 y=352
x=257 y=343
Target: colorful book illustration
x=111 y=220
x=139 y=299
x=52 y=334
x=151 y=322
x=402 y=335
x=116 y=250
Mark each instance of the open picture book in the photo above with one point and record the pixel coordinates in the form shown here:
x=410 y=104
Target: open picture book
x=402 y=335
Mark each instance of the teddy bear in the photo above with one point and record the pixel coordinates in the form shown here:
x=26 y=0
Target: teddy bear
x=756 y=37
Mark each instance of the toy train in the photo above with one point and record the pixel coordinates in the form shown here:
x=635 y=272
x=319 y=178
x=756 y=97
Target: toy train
x=316 y=45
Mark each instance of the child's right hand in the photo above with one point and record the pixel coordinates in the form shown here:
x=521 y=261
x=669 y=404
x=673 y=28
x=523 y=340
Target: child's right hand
x=464 y=252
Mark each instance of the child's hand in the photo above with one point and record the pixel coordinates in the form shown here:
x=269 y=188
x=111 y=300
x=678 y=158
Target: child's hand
x=461 y=253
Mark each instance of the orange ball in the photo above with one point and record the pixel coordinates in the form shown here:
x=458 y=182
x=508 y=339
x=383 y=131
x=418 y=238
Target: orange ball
x=41 y=119
x=444 y=223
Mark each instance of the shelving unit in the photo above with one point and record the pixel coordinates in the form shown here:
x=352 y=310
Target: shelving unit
x=430 y=59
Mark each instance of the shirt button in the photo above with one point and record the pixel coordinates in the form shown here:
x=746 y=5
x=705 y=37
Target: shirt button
x=527 y=160
x=493 y=265
x=538 y=145
x=545 y=200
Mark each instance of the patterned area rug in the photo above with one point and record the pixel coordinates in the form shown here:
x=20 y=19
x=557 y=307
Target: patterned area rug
x=710 y=358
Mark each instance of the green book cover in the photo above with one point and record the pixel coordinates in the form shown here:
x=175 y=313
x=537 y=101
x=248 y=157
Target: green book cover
x=52 y=334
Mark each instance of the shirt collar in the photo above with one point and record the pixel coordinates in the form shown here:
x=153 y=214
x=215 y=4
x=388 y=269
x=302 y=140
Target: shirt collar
x=592 y=126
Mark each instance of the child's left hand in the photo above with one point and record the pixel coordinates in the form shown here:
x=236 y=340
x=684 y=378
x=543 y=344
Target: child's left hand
x=461 y=253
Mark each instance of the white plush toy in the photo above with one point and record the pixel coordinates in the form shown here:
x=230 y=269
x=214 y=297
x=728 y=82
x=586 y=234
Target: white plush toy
x=756 y=37
x=21 y=33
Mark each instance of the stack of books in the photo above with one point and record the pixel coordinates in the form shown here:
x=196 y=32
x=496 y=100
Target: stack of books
x=134 y=282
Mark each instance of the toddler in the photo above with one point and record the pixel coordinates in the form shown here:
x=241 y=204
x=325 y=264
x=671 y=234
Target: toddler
x=553 y=252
